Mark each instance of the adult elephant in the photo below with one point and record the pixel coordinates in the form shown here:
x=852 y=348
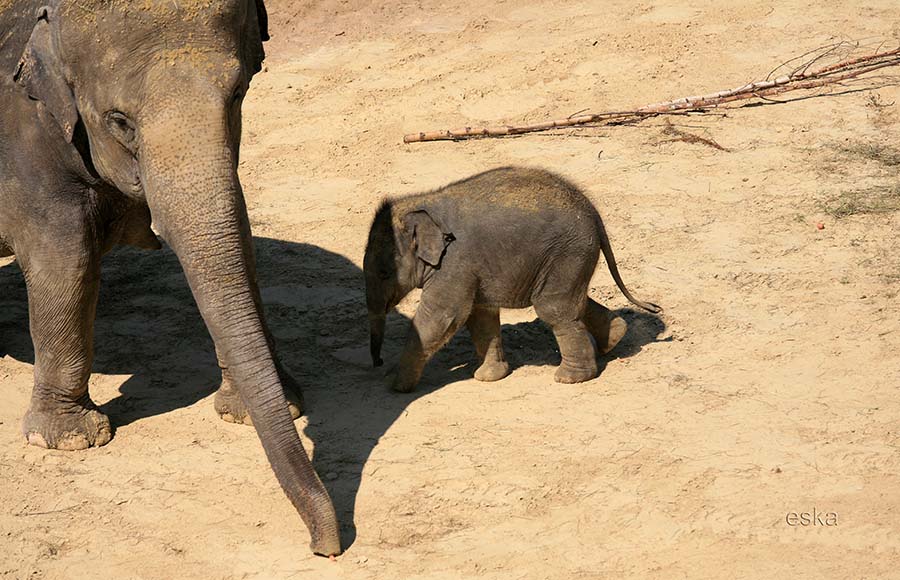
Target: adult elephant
x=113 y=113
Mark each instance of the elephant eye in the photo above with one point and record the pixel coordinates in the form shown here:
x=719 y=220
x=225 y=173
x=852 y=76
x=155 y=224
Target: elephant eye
x=121 y=127
x=384 y=274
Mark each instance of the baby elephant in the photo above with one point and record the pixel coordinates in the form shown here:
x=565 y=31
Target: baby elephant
x=507 y=238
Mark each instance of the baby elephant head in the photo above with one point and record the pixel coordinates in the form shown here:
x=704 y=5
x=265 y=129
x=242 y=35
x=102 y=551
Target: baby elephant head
x=400 y=251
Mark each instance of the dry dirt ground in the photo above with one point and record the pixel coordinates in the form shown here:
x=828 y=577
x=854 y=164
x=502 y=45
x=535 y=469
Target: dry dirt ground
x=769 y=385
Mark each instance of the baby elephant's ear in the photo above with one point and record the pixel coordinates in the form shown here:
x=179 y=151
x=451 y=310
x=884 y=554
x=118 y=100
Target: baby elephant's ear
x=429 y=241
x=40 y=72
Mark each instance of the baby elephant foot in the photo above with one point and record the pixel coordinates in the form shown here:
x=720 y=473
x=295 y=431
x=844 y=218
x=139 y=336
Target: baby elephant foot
x=492 y=371
x=398 y=382
x=569 y=374
x=231 y=408
x=614 y=334
x=71 y=427
x=606 y=328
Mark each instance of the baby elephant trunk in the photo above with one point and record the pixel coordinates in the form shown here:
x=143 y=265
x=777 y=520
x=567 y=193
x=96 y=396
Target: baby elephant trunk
x=376 y=337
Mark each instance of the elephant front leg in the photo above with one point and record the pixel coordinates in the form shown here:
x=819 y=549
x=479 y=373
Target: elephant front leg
x=62 y=303
x=484 y=327
x=431 y=328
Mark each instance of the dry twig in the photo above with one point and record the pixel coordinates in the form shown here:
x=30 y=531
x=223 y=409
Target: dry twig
x=679 y=135
x=800 y=78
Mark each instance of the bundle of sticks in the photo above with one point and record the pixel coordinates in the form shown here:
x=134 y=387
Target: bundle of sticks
x=801 y=76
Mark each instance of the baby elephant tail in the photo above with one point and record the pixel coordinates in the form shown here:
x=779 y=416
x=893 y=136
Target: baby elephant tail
x=614 y=270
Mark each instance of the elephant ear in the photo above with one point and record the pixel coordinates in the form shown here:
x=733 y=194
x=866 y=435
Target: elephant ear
x=257 y=54
x=428 y=239
x=40 y=72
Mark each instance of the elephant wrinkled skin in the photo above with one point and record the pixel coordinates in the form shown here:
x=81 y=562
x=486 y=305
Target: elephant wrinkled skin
x=113 y=114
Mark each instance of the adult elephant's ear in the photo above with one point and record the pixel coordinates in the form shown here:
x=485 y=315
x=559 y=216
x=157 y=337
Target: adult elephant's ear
x=257 y=53
x=428 y=239
x=263 y=18
x=41 y=73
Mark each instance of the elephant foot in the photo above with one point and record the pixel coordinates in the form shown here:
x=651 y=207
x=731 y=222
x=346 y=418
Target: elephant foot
x=231 y=408
x=614 y=334
x=491 y=371
x=70 y=428
x=398 y=383
x=606 y=328
x=570 y=374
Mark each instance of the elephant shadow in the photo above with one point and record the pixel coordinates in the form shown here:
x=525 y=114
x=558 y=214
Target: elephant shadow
x=148 y=327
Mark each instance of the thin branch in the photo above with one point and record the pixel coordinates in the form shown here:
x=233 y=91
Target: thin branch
x=801 y=78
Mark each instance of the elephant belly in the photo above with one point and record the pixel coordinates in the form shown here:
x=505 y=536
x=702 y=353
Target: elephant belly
x=506 y=291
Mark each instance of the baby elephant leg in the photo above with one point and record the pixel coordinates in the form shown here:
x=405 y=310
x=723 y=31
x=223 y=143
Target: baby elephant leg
x=606 y=328
x=579 y=357
x=484 y=326
x=579 y=361
x=432 y=326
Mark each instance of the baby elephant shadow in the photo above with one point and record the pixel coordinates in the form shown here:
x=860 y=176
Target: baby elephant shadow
x=354 y=411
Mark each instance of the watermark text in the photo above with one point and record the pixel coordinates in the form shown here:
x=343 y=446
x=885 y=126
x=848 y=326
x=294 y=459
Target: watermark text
x=811 y=518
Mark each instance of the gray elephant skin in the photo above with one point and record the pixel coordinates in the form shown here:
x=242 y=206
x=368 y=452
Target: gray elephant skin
x=113 y=114
x=507 y=238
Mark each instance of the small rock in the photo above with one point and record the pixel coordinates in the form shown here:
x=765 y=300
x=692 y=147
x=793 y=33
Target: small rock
x=820 y=226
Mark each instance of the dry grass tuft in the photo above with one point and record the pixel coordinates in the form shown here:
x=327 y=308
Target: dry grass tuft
x=880 y=198
x=871 y=200
x=882 y=154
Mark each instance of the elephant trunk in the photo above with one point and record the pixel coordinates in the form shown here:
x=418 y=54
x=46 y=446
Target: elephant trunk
x=376 y=336
x=377 y=305
x=188 y=167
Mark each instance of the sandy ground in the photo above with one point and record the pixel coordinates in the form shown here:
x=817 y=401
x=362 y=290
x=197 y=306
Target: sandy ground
x=768 y=387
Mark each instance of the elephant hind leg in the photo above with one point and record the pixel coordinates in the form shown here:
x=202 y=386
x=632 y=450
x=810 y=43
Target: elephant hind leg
x=484 y=327
x=606 y=328
x=62 y=303
x=579 y=356
x=561 y=303
x=228 y=402
x=231 y=407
